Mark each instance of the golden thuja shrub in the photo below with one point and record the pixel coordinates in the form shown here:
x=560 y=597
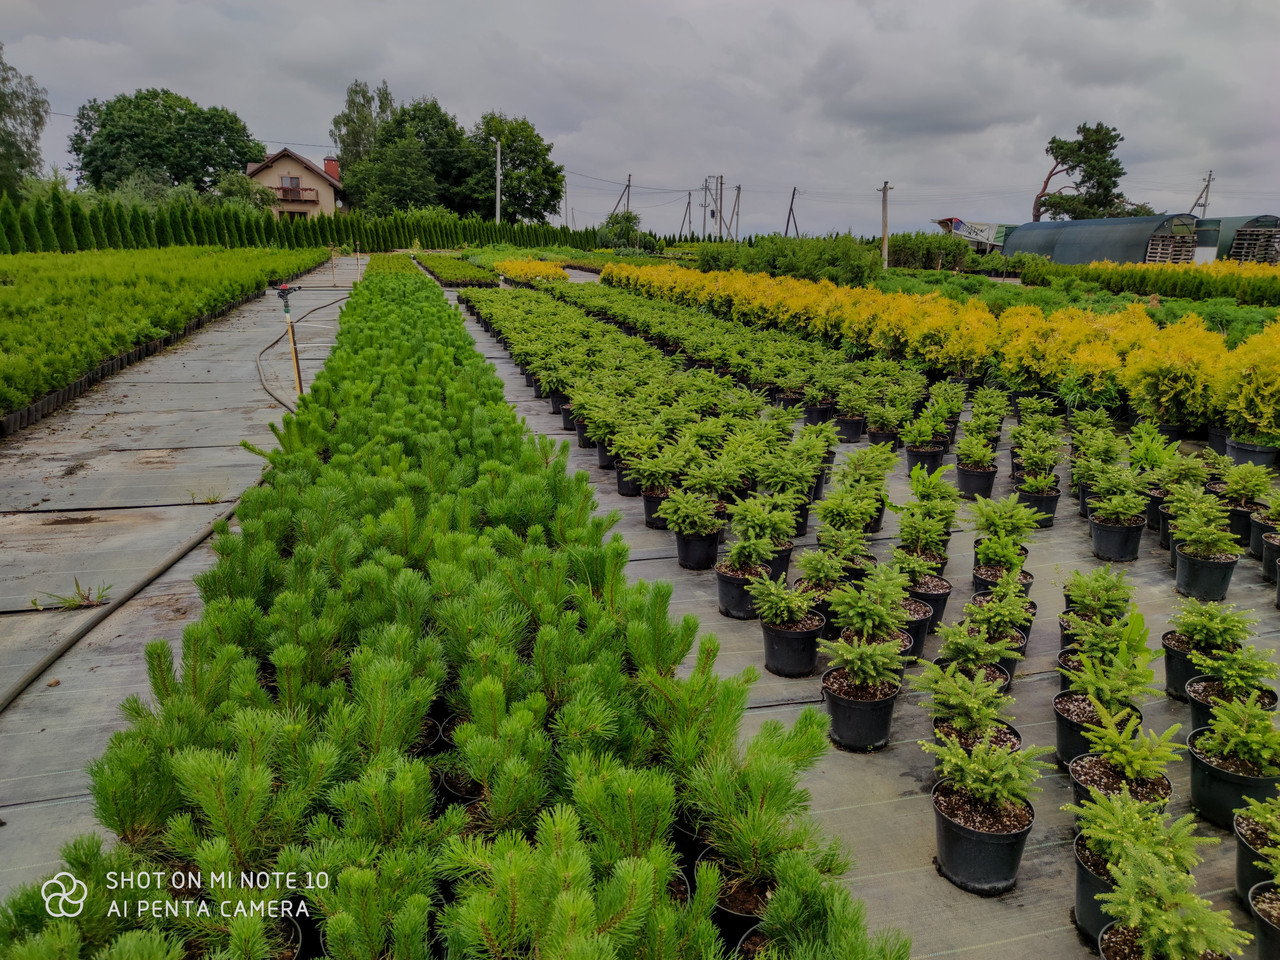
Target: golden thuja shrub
x=1172 y=376
x=527 y=271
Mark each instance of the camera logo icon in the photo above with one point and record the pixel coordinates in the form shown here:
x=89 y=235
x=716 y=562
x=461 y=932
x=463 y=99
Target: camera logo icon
x=64 y=895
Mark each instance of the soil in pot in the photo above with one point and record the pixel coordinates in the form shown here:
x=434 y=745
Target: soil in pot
x=1259 y=527
x=985 y=577
x=1202 y=691
x=860 y=714
x=791 y=649
x=919 y=616
x=1264 y=903
x=740 y=905
x=934 y=591
x=1072 y=712
x=979 y=847
x=1002 y=735
x=1092 y=771
x=1251 y=838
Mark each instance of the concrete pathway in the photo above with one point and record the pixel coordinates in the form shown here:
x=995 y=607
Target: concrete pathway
x=102 y=491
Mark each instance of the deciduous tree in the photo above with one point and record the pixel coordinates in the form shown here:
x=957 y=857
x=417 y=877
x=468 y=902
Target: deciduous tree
x=24 y=107
x=355 y=130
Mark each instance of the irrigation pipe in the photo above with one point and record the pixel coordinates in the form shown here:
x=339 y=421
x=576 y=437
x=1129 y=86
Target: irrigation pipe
x=151 y=576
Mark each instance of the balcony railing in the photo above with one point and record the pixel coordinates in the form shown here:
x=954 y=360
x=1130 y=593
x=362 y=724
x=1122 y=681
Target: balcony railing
x=298 y=194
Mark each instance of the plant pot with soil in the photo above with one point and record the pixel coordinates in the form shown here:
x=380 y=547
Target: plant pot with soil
x=977 y=652
x=860 y=690
x=1257 y=830
x=1123 y=757
x=967 y=707
x=996 y=557
x=745 y=561
x=975 y=467
x=918 y=440
x=1230 y=675
x=1205 y=628
x=1237 y=756
x=983 y=813
x=791 y=627
x=692 y=516
x=1116 y=527
x=924 y=585
x=1206 y=556
x=822 y=572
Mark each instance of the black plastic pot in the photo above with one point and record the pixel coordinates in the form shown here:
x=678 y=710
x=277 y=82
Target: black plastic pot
x=976 y=862
x=1046 y=503
x=733 y=926
x=780 y=562
x=1153 y=513
x=1262 y=454
x=584 y=441
x=1266 y=933
x=1088 y=913
x=1069 y=734
x=604 y=459
x=1162 y=519
x=652 y=502
x=883 y=436
x=1240 y=522
x=973 y=482
x=1202 y=710
x=802 y=520
x=733 y=599
x=1270 y=556
x=697 y=551
x=1178 y=669
x=1248 y=873
x=1085 y=493
x=1080 y=793
x=626 y=486
x=1218 y=439
x=1115 y=542
x=936 y=600
x=791 y=653
x=1258 y=529
x=1217 y=794
x=566 y=416
x=918 y=630
x=557 y=399
x=689 y=844
x=929 y=456
x=1203 y=579
x=819 y=413
x=850 y=428
x=858 y=724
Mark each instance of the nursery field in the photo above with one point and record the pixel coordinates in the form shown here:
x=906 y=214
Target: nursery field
x=797 y=648
x=63 y=316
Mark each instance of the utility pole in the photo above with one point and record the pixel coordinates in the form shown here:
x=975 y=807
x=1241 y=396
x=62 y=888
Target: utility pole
x=884 y=224
x=1202 y=199
x=625 y=195
x=688 y=212
x=704 y=205
x=733 y=216
x=497 y=192
x=720 y=205
x=791 y=214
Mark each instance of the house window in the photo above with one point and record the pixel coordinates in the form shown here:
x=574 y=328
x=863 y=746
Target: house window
x=290 y=188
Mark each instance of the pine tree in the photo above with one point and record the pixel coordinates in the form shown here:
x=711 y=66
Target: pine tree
x=10 y=226
x=80 y=225
x=60 y=216
x=30 y=233
x=44 y=227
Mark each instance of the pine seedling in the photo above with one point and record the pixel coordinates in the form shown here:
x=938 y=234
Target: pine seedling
x=1134 y=753
x=654 y=641
x=1241 y=670
x=971 y=704
x=626 y=811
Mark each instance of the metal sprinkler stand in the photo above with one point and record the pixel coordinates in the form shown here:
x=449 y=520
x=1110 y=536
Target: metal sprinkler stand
x=283 y=292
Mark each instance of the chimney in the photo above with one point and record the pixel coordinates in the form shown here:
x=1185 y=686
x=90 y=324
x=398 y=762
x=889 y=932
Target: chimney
x=331 y=167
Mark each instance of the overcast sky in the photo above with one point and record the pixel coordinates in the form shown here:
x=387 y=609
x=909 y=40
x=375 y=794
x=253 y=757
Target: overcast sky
x=952 y=102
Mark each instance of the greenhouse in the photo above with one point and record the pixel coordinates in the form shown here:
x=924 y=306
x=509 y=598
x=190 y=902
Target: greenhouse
x=1159 y=239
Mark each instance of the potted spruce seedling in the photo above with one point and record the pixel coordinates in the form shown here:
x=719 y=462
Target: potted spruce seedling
x=918 y=440
x=975 y=466
x=1101 y=596
x=697 y=528
x=791 y=627
x=822 y=571
x=873 y=613
x=1117 y=682
x=968 y=708
x=629 y=445
x=1236 y=756
x=1116 y=526
x=1208 y=629
x=1173 y=472
x=1093 y=639
x=1002 y=614
x=657 y=476
x=768 y=517
x=1158 y=916
x=1263 y=902
x=883 y=421
x=869 y=468
x=977 y=653
x=1264 y=541
x=996 y=557
x=860 y=689
x=924 y=584
x=1113 y=825
x=1124 y=757
x=1005 y=517
x=745 y=561
x=1207 y=554
x=1243 y=489
x=791 y=474
x=1231 y=674
x=1038 y=485
x=1257 y=830
x=923 y=536
x=982 y=812
x=851 y=409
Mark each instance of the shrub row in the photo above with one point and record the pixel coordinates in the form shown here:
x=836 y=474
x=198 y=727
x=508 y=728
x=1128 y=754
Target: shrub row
x=61 y=317
x=1251 y=283
x=456 y=272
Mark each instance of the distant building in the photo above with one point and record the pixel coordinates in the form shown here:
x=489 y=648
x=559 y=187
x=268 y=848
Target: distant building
x=983 y=237
x=302 y=189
